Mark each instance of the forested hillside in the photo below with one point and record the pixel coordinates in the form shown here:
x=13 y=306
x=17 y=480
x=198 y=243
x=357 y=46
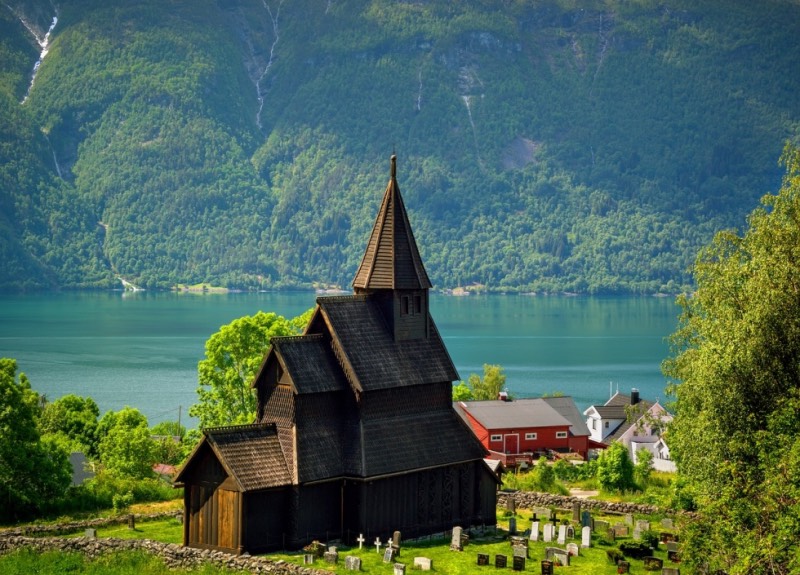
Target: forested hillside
x=542 y=146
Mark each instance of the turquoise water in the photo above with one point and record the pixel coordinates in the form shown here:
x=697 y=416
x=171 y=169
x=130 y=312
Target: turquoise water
x=141 y=349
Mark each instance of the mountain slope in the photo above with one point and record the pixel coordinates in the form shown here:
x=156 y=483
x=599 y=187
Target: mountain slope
x=542 y=146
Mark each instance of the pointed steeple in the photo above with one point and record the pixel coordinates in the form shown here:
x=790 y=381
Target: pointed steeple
x=392 y=260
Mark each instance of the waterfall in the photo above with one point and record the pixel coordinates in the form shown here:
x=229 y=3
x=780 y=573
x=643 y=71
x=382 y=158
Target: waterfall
x=259 y=93
x=43 y=44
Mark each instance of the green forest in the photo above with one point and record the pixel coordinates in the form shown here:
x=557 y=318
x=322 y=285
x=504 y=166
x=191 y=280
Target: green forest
x=587 y=147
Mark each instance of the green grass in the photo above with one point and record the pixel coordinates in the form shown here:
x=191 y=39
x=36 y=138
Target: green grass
x=592 y=561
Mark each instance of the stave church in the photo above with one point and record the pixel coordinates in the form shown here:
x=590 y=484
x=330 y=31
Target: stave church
x=355 y=432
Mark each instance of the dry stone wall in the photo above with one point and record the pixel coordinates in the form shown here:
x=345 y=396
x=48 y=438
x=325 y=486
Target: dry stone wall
x=174 y=556
x=531 y=499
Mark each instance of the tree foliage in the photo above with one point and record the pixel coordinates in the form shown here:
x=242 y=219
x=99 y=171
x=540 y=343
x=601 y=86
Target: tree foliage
x=736 y=378
x=232 y=358
x=125 y=447
x=75 y=419
x=187 y=142
x=615 y=470
x=31 y=471
x=489 y=385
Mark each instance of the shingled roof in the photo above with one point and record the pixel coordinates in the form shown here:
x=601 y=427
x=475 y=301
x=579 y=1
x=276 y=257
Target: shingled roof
x=317 y=376
x=391 y=260
x=250 y=455
x=372 y=359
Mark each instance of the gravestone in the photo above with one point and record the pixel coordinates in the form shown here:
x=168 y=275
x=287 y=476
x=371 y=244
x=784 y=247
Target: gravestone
x=377 y=543
x=511 y=504
x=512 y=525
x=519 y=546
x=360 y=540
x=543 y=513
x=389 y=553
x=423 y=563
x=653 y=563
x=455 y=541
x=623 y=567
x=332 y=556
x=548 y=532
x=90 y=533
x=573 y=549
x=601 y=526
x=629 y=519
x=667 y=523
x=670 y=571
x=672 y=546
x=667 y=537
x=308 y=559
x=576 y=511
x=399 y=569
x=518 y=563
x=547 y=567
x=562 y=534
x=637 y=534
x=483 y=559
x=674 y=556
x=557 y=555
x=534 y=531
x=500 y=561
x=570 y=532
x=621 y=530
x=586 y=536
x=352 y=563
x=586 y=519
x=131 y=521
x=396 y=542
x=643 y=525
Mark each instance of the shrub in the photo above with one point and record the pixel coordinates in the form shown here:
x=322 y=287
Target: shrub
x=614 y=555
x=635 y=549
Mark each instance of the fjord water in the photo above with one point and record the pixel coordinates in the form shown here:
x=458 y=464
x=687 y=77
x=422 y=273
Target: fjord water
x=141 y=349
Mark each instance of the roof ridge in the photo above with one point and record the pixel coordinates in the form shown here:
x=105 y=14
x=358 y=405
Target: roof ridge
x=237 y=428
x=285 y=338
x=341 y=298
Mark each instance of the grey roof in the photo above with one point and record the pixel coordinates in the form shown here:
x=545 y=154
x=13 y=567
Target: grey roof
x=519 y=413
x=391 y=260
x=372 y=359
x=566 y=407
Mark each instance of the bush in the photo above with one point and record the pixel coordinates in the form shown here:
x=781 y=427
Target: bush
x=614 y=555
x=635 y=549
x=650 y=538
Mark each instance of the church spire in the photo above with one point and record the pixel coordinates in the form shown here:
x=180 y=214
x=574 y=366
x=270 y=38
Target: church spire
x=391 y=260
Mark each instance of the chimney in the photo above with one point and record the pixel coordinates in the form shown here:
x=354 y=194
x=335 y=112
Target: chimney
x=502 y=396
x=634 y=396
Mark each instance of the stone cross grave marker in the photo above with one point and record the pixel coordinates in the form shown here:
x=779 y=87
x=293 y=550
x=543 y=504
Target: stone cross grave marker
x=360 y=540
x=377 y=543
x=586 y=536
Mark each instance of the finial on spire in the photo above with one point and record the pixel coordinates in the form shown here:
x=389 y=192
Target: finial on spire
x=394 y=166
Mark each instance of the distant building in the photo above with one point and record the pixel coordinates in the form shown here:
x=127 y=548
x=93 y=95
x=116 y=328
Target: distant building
x=520 y=431
x=355 y=430
x=634 y=422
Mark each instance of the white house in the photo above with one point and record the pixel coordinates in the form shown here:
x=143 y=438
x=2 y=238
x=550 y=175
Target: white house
x=634 y=422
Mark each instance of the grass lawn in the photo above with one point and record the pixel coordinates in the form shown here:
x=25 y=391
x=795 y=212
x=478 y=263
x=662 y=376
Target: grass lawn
x=592 y=561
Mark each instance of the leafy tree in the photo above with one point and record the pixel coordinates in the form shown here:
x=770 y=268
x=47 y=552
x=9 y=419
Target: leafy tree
x=74 y=418
x=615 y=468
x=32 y=472
x=735 y=437
x=490 y=385
x=462 y=392
x=643 y=467
x=545 y=475
x=126 y=448
x=233 y=356
x=169 y=438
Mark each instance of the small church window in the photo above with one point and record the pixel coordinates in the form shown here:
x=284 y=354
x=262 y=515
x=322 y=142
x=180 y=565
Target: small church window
x=404 y=305
x=417 y=304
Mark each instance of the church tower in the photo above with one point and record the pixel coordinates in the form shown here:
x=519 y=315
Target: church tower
x=391 y=270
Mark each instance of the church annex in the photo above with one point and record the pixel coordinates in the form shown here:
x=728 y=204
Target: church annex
x=355 y=431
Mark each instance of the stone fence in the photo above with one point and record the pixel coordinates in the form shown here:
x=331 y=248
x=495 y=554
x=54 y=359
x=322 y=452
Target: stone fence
x=174 y=556
x=531 y=499
x=78 y=526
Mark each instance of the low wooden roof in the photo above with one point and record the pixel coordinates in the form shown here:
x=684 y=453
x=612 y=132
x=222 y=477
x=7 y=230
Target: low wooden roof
x=372 y=358
x=391 y=260
x=250 y=454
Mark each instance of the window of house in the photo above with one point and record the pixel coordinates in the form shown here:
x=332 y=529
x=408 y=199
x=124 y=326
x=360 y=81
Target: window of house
x=530 y=436
x=561 y=434
x=594 y=423
x=404 y=305
x=496 y=438
x=606 y=425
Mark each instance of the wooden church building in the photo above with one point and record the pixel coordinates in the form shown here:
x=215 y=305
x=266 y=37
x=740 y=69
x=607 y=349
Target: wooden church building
x=355 y=431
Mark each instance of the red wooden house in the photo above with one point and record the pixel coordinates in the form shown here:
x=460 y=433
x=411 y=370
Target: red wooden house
x=524 y=429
